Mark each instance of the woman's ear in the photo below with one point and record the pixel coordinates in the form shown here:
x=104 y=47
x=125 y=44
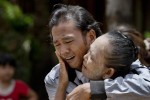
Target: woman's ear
x=108 y=73
x=91 y=36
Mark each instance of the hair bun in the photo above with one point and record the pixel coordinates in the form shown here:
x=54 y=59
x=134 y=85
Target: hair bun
x=135 y=48
x=58 y=6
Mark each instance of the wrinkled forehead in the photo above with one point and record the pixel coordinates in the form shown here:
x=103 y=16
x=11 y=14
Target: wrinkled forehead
x=65 y=23
x=63 y=28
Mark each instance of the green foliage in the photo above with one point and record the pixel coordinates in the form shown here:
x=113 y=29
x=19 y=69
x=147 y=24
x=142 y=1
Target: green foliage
x=13 y=15
x=12 y=40
x=147 y=34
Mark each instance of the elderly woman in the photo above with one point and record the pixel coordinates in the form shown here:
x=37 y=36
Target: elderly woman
x=110 y=56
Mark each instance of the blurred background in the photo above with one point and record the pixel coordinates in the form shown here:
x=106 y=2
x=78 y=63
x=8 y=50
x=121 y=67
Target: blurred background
x=24 y=31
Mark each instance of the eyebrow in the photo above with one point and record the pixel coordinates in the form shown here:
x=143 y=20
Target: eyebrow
x=67 y=37
x=64 y=38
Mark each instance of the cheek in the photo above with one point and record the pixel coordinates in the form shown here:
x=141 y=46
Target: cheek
x=80 y=46
x=93 y=68
x=80 y=51
x=57 y=48
x=2 y=71
x=12 y=71
x=90 y=66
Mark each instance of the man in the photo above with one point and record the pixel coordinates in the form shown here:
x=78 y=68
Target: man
x=73 y=29
x=69 y=26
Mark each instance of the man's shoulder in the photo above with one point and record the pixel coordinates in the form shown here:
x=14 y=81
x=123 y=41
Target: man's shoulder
x=52 y=75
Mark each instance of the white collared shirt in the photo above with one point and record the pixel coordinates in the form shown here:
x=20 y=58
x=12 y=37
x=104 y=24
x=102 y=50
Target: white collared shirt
x=52 y=79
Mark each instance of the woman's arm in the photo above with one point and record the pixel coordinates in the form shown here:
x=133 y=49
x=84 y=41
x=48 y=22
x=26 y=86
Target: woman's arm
x=137 y=85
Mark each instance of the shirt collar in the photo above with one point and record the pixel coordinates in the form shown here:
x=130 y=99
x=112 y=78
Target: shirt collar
x=79 y=74
x=81 y=77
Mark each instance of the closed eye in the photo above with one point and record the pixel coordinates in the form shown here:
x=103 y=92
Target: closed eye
x=91 y=55
x=68 y=41
x=56 y=45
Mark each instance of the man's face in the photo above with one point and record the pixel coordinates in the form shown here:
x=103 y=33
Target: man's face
x=93 y=64
x=70 y=43
x=6 y=72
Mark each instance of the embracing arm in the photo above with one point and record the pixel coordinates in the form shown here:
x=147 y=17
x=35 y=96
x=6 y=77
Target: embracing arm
x=133 y=84
x=81 y=92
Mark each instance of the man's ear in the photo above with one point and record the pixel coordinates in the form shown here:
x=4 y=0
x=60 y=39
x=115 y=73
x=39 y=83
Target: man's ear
x=108 y=73
x=91 y=36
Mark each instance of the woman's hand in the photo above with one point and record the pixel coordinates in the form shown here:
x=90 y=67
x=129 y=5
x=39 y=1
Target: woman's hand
x=63 y=77
x=81 y=92
x=63 y=80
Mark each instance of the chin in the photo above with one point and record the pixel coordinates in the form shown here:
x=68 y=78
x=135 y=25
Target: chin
x=85 y=73
x=90 y=76
x=76 y=66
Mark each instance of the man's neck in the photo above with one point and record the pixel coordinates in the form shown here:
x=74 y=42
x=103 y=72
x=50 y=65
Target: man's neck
x=71 y=74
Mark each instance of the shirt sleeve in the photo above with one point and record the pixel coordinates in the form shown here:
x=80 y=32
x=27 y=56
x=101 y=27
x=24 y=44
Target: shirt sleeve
x=133 y=85
x=97 y=90
x=23 y=88
x=51 y=82
x=51 y=89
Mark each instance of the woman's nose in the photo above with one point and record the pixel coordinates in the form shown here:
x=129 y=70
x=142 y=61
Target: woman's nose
x=85 y=57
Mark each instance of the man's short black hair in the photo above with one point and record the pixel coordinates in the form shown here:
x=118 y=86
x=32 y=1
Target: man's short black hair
x=7 y=59
x=82 y=18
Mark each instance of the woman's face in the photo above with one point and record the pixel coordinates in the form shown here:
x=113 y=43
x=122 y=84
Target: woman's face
x=93 y=64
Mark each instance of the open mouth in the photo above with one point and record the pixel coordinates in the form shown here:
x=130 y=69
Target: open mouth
x=69 y=58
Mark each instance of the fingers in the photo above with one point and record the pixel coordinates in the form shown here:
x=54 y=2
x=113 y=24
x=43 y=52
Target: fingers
x=62 y=63
x=68 y=97
x=58 y=55
x=63 y=76
x=73 y=95
x=59 y=58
